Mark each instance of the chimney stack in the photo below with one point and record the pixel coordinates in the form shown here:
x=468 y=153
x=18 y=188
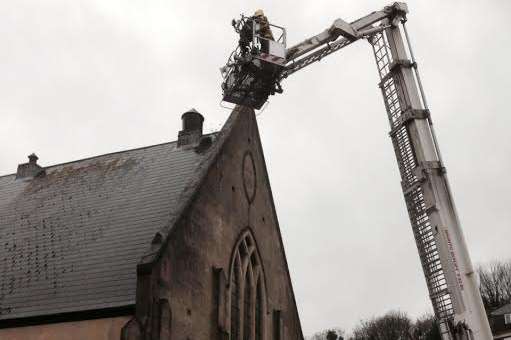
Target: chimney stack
x=32 y=158
x=192 y=128
x=30 y=169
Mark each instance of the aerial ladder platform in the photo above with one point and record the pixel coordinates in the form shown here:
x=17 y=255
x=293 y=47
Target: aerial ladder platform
x=255 y=70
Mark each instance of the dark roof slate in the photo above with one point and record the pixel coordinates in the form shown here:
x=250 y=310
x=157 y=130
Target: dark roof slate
x=70 y=241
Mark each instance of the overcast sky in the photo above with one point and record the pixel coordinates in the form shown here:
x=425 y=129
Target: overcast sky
x=82 y=78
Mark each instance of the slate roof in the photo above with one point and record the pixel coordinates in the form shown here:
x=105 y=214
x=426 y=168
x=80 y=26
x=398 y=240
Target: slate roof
x=70 y=241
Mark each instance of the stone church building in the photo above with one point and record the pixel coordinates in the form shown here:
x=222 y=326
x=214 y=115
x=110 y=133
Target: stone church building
x=172 y=241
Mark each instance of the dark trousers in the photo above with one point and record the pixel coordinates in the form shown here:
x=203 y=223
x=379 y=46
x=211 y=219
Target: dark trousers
x=265 y=46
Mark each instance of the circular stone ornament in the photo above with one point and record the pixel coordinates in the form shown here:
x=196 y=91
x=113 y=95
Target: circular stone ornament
x=249 y=176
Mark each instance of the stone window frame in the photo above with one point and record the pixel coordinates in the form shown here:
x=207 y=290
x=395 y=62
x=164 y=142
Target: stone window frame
x=246 y=261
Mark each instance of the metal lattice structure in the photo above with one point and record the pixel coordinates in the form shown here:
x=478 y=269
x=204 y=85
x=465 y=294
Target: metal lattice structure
x=450 y=276
x=422 y=228
x=297 y=65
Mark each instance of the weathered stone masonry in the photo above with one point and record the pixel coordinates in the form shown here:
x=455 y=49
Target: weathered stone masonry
x=178 y=240
x=183 y=289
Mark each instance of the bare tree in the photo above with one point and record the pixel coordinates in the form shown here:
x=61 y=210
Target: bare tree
x=426 y=328
x=329 y=334
x=495 y=284
x=392 y=326
x=495 y=288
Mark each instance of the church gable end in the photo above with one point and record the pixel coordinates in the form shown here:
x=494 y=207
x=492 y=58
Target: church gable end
x=221 y=266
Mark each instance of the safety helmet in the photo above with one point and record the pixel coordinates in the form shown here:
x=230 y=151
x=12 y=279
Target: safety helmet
x=259 y=13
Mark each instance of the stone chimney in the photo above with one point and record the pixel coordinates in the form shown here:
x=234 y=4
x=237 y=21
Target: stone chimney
x=192 y=128
x=30 y=169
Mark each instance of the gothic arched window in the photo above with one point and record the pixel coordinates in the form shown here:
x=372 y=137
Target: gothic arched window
x=235 y=297
x=247 y=307
x=258 y=310
x=247 y=291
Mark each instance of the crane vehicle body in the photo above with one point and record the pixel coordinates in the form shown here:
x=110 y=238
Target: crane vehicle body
x=250 y=76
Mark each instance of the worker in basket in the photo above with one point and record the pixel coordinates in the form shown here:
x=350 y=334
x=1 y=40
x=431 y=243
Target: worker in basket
x=257 y=80
x=264 y=30
x=265 y=34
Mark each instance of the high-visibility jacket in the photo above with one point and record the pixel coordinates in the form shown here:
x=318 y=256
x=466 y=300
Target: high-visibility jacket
x=264 y=27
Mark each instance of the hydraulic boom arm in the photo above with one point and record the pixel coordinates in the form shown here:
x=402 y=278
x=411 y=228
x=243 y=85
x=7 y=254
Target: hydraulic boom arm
x=339 y=35
x=450 y=276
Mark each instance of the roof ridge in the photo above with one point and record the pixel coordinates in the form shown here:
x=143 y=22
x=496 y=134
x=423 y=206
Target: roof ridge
x=109 y=154
x=161 y=237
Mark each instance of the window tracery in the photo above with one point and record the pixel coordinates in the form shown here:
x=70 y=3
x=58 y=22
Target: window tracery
x=247 y=291
x=235 y=296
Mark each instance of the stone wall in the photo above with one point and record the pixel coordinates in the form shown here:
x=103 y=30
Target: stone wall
x=192 y=274
x=233 y=197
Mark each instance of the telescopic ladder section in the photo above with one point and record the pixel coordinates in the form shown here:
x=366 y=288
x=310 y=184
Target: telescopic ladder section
x=407 y=162
x=297 y=65
x=440 y=243
x=449 y=273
